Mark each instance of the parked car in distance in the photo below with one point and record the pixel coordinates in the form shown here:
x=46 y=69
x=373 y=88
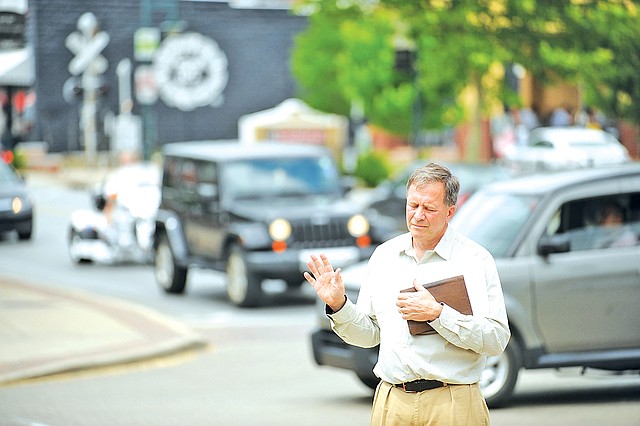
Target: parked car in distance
x=557 y=148
x=119 y=227
x=254 y=212
x=570 y=275
x=16 y=205
x=385 y=204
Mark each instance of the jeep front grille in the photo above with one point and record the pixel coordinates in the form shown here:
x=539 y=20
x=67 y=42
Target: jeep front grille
x=334 y=233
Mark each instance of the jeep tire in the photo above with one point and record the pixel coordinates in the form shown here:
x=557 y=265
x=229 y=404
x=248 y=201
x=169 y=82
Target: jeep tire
x=244 y=288
x=169 y=275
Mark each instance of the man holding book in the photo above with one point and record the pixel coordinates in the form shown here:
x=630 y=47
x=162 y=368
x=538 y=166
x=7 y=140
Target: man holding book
x=430 y=378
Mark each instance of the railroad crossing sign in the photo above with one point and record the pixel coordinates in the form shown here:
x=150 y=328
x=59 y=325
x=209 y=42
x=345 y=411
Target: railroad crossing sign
x=87 y=43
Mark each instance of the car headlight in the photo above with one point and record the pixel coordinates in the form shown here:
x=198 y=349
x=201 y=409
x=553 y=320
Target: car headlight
x=17 y=205
x=358 y=225
x=280 y=230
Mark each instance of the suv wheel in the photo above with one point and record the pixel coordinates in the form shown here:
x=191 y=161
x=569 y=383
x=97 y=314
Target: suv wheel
x=244 y=288
x=169 y=275
x=500 y=375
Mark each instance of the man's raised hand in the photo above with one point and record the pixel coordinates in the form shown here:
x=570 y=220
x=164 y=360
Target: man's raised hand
x=326 y=282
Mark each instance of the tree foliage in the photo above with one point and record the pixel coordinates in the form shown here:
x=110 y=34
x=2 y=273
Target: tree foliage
x=348 y=55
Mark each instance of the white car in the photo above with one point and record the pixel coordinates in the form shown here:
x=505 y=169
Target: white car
x=557 y=148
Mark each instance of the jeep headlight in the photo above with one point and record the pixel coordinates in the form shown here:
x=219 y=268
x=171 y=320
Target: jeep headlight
x=358 y=225
x=17 y=205
x=280 y=230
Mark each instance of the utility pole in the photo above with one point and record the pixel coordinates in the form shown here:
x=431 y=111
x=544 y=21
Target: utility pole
x=146 y=90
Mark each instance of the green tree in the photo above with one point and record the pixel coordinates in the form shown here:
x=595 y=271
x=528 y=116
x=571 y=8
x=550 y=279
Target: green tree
x=346 y=56
x=592 y=43
x=457 y=44
x=612 y=38
x=313 y=59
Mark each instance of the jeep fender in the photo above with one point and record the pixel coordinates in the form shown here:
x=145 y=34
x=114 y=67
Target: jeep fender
x=169 y=224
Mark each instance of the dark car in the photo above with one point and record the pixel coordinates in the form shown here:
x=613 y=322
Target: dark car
x=385 y=204
x=569 y=272
x=253 y=211
x=16 y=207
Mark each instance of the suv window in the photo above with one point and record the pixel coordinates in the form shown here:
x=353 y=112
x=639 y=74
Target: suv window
x=186 y=181
x=599 y=222
x=206 y=181
x=495 y=220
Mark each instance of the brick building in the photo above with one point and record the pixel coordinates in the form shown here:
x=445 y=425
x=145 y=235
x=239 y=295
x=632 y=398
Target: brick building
x=246 y=50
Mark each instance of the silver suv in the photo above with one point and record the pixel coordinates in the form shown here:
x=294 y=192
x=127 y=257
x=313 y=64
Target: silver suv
x=567 y=249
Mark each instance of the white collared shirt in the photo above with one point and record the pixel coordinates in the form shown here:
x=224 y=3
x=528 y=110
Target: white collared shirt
x=457 y=352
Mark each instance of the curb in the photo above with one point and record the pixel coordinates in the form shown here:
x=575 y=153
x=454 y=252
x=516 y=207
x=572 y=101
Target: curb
x=132 y=332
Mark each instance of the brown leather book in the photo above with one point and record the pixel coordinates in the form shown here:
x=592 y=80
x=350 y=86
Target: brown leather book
x=450 y=291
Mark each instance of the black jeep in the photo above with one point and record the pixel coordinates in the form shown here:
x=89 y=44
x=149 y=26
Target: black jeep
x=253 y=211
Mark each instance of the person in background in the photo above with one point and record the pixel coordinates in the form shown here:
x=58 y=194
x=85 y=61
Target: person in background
x=561 y=117
x=594 y=120
x=425 y=379
x=614 y=232
x=529 y=118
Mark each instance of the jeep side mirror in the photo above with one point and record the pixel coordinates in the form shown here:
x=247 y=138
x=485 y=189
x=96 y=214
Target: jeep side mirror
x=347 y=183
x=553 y=244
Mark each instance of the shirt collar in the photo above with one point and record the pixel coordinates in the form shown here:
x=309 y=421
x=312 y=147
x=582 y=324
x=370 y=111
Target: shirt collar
x=442 y=249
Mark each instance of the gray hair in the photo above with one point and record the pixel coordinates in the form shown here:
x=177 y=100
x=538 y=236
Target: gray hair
x=434 y=172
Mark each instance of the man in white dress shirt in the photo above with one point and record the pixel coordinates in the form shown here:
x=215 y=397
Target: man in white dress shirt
x=425 y=379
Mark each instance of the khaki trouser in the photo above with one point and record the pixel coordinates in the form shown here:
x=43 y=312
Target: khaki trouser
x=453 y=405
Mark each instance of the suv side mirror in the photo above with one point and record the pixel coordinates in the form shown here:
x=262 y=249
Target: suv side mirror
x=553 y=244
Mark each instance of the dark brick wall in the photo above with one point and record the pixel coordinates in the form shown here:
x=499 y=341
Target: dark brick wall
x=257 y=44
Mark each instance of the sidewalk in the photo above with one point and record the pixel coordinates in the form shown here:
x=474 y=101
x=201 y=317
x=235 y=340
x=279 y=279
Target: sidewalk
x=45 y=331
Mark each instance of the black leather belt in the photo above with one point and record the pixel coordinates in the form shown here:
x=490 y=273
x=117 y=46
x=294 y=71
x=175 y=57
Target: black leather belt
x=420 y=385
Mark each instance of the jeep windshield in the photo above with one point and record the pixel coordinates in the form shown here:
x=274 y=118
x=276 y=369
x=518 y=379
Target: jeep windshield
x=494 y=220
x=277 y=178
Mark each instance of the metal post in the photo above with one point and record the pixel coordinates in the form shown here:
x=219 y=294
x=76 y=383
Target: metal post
x=123 y=70
x=148 y=132
x=170 y=9
x=89 y=107
x=416 y=122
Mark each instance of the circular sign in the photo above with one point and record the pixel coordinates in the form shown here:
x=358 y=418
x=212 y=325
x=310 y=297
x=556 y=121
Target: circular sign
x=191 y=71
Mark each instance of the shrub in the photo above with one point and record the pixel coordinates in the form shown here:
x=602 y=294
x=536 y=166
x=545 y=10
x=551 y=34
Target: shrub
x=372 y=168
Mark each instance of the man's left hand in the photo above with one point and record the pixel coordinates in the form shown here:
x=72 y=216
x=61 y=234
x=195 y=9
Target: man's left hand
x=418 y=306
